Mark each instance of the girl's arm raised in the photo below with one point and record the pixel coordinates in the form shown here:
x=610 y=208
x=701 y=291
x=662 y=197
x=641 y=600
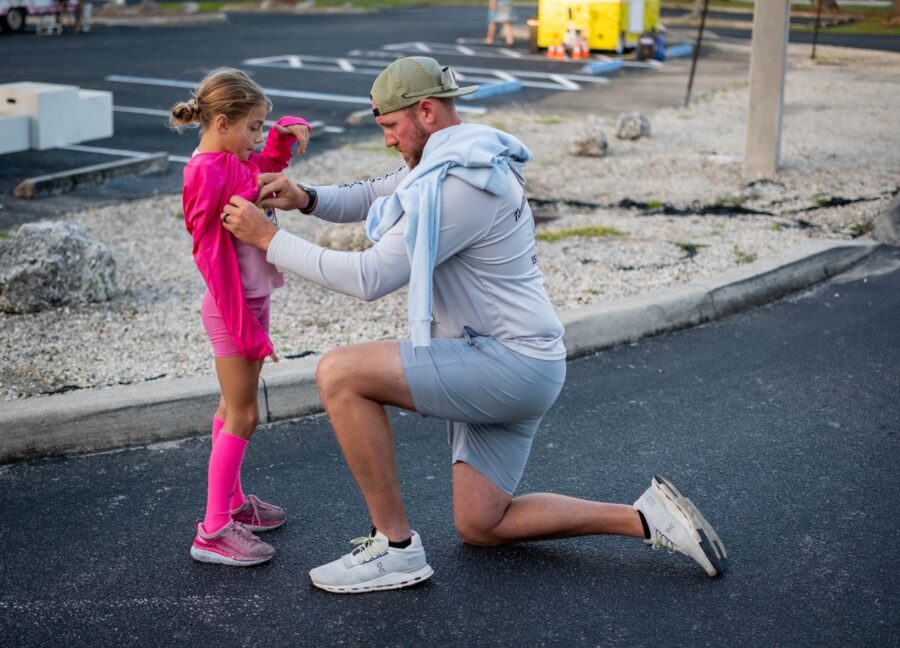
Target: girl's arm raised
x=276 y=154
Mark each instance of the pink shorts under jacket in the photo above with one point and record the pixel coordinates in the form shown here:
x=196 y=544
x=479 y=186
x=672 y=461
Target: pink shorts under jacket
x=223 y=345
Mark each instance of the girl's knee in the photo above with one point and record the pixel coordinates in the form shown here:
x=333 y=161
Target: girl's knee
x=243 y=421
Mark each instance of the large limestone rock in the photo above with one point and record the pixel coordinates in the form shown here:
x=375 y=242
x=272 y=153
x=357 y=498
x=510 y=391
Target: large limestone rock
x=887 y=225
x=591 y=141
x=632 y=125
x=50 y=264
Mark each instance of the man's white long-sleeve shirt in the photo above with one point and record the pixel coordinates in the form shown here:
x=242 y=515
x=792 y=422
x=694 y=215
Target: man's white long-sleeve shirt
x=486 y=274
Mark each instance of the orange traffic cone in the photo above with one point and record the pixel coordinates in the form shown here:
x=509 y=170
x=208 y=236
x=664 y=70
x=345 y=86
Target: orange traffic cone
x=556 y=52
x=580 y=50
x=576 y=50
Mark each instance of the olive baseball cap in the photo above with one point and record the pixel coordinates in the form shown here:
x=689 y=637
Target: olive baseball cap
x=407 y=80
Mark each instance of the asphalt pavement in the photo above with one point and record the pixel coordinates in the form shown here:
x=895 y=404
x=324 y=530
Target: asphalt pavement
x=780 y=423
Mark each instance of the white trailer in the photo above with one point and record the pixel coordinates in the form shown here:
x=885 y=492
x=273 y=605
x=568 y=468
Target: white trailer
x=14 y=12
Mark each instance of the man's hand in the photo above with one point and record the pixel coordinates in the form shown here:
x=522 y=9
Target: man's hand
x=299 y=131
x=244 y=219
x=275 y=190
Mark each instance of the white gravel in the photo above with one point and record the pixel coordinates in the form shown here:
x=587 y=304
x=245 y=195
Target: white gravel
x=840 y=139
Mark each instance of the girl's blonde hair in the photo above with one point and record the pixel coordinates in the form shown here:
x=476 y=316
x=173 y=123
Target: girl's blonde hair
x=225 y=91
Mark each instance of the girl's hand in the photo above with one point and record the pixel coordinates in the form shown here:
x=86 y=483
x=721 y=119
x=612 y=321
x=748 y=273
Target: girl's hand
x=273 y=357
x=299 y=131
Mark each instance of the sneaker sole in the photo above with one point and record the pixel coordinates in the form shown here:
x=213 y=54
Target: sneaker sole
x=201 y=555
x=710 y=544
x=257 y=529
x=388 y=582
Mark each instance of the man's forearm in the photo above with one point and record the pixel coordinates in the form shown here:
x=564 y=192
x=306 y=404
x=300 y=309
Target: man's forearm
x=264 y=237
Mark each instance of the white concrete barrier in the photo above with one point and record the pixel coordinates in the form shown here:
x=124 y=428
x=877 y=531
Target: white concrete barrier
x=94 y=116
x=47 y=105
x=13 y=133
x=58 y=115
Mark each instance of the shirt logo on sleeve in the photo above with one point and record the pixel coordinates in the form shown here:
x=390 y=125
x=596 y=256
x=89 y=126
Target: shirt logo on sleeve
x=521 y=208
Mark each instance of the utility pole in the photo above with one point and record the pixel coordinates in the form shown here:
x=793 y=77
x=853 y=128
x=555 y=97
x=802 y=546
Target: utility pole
x=687 y=96
x=768 y=63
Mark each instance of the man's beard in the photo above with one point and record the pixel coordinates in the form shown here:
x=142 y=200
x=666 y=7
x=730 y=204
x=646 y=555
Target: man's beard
x=413 y=156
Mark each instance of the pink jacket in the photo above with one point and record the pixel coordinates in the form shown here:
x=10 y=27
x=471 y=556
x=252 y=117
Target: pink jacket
x=210 y=180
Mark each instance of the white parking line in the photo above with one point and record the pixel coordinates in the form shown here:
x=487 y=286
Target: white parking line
x=273 y=92
x=563 y=81
x=417 y=46
x=105 y=151
x=488 y=51
x=155 y=112
x=120 y=152
x=529 y=78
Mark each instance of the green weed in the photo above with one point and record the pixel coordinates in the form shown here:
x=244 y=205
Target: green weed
x=741 y=257
x=571 y=232
x=690 y=249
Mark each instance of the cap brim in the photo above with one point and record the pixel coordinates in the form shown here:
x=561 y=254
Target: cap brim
x=456 y=93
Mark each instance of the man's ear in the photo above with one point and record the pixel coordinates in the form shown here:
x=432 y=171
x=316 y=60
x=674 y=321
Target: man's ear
x=428 y=111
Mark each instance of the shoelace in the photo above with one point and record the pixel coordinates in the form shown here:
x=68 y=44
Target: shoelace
x=253 y=505
x=366 y=548
x=662 y=542
x=245 y=535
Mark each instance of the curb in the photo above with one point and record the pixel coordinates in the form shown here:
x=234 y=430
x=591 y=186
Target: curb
x=95 y=174
x=603 y=67
x=180 y=20
x=105 y=419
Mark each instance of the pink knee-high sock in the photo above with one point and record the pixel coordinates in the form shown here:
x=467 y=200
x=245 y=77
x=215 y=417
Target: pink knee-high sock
x=224 y=466
x=237 y=497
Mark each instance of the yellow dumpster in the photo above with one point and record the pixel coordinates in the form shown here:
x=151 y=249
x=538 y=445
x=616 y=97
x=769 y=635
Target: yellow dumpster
x=610 y=25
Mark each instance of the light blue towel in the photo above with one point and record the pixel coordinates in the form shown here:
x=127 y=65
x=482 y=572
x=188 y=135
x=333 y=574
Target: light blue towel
x=479 y=155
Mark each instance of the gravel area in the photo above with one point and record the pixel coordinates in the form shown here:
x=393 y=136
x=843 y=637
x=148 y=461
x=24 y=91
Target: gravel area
x=676 y=201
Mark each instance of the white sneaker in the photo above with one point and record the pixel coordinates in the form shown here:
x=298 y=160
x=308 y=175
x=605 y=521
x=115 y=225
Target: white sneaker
x=374 y=565
x=676 y=525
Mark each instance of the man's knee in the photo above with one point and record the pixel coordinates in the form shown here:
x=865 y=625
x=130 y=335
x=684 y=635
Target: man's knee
x=335 y=374
x=475 y=530
x=329 y=374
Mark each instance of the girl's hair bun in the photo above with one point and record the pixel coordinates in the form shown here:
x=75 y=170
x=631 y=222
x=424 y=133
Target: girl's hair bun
x=184 y=114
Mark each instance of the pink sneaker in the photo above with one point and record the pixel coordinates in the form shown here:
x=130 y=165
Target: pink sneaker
x=231 y=545
x=257 y=515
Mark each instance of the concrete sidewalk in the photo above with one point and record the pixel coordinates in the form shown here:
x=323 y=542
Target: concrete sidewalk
x=105 y=419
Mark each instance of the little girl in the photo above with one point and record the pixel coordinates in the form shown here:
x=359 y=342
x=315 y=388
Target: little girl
x=230 y=109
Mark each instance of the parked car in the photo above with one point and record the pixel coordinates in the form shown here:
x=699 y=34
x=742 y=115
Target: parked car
x=13 y=12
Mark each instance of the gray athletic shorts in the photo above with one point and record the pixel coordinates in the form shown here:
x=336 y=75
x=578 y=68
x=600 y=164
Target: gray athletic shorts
x=492 y=398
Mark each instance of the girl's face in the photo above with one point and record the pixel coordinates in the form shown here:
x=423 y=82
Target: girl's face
x=242 y=136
